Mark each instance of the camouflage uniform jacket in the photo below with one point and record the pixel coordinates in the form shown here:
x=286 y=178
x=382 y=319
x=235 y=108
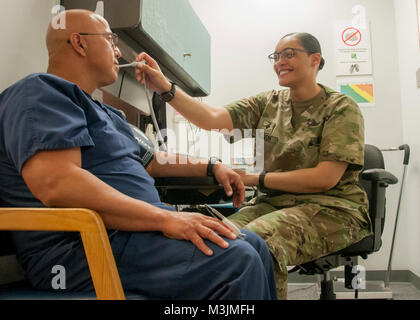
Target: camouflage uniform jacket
x=330 y=128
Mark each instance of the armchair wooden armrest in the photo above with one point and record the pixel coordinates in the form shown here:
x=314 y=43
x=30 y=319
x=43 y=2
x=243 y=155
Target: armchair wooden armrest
x=98 y=251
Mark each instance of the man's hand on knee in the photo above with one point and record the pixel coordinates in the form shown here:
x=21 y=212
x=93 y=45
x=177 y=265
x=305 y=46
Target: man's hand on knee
x=195 y=227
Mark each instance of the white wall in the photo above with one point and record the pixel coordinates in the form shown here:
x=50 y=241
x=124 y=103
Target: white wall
x=244 y=32
x=23 y=24
x=409 y=62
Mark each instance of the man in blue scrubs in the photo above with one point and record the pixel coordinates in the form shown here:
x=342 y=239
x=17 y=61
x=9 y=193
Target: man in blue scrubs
x=61 y=148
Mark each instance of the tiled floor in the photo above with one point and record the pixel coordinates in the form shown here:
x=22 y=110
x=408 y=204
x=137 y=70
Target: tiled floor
x=404 y=291
x=310 y=291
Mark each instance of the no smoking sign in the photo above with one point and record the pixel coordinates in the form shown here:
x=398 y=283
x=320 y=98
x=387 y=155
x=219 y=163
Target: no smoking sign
x=353 y=52
x=351 y=37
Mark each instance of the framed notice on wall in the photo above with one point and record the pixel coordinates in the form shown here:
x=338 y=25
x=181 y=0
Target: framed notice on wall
x=418 y=18
x=353 y=55
x=360 y=89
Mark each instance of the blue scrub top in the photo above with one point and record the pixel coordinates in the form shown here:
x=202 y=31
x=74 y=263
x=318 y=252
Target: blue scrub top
x=45 y=112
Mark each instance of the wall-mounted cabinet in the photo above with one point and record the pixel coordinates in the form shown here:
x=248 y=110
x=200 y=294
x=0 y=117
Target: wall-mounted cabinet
x=169 y=30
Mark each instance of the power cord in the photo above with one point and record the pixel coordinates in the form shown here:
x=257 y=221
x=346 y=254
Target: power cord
x=149 y=102
x=152 y=113
x=121 y=84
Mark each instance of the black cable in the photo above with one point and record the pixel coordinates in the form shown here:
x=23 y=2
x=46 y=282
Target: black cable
x=121 y=85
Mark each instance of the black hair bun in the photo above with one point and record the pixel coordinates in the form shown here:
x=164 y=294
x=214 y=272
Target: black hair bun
x=321 y=64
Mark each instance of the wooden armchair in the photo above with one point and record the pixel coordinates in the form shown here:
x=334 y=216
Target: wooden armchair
x=98 y=251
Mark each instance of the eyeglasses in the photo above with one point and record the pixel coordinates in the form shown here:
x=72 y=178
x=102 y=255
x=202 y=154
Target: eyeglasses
x=287 y=53
x=110 y=36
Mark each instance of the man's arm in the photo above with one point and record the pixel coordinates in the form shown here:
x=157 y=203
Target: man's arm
x=312 y=180
x=57 y=180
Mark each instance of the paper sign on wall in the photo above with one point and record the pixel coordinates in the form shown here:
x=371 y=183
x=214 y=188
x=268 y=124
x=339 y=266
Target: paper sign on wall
x=360 y=89
x=353 y=49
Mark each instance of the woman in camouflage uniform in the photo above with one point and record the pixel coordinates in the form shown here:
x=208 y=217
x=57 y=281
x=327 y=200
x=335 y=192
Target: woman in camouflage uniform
x=313 y=153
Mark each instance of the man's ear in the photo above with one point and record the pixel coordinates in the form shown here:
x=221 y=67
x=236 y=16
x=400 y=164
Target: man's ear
x=78 y=43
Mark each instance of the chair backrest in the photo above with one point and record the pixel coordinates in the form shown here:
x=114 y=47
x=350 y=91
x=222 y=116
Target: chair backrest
x=373 y=160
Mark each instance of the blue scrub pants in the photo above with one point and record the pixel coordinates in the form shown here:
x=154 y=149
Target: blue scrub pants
x=155 y=266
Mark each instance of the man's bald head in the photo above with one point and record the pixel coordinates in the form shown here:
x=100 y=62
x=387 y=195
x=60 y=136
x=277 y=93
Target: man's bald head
x=81 y=49
x=73 y=21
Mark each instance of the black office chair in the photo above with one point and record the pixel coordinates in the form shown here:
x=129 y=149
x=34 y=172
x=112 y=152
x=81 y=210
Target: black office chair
x=374 y=180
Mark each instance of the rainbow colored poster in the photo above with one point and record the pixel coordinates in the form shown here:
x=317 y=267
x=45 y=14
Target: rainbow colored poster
x=359 y=89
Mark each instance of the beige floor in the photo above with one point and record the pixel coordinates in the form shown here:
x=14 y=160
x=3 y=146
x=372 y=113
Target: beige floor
x=310 y=291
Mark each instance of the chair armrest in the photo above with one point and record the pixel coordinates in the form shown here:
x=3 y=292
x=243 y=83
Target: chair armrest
x=187 y=182
x=95 y=239
x=379 y=175
x=189 y=190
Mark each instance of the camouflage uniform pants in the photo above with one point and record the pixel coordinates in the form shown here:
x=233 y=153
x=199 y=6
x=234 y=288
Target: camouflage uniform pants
x=299 y=234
